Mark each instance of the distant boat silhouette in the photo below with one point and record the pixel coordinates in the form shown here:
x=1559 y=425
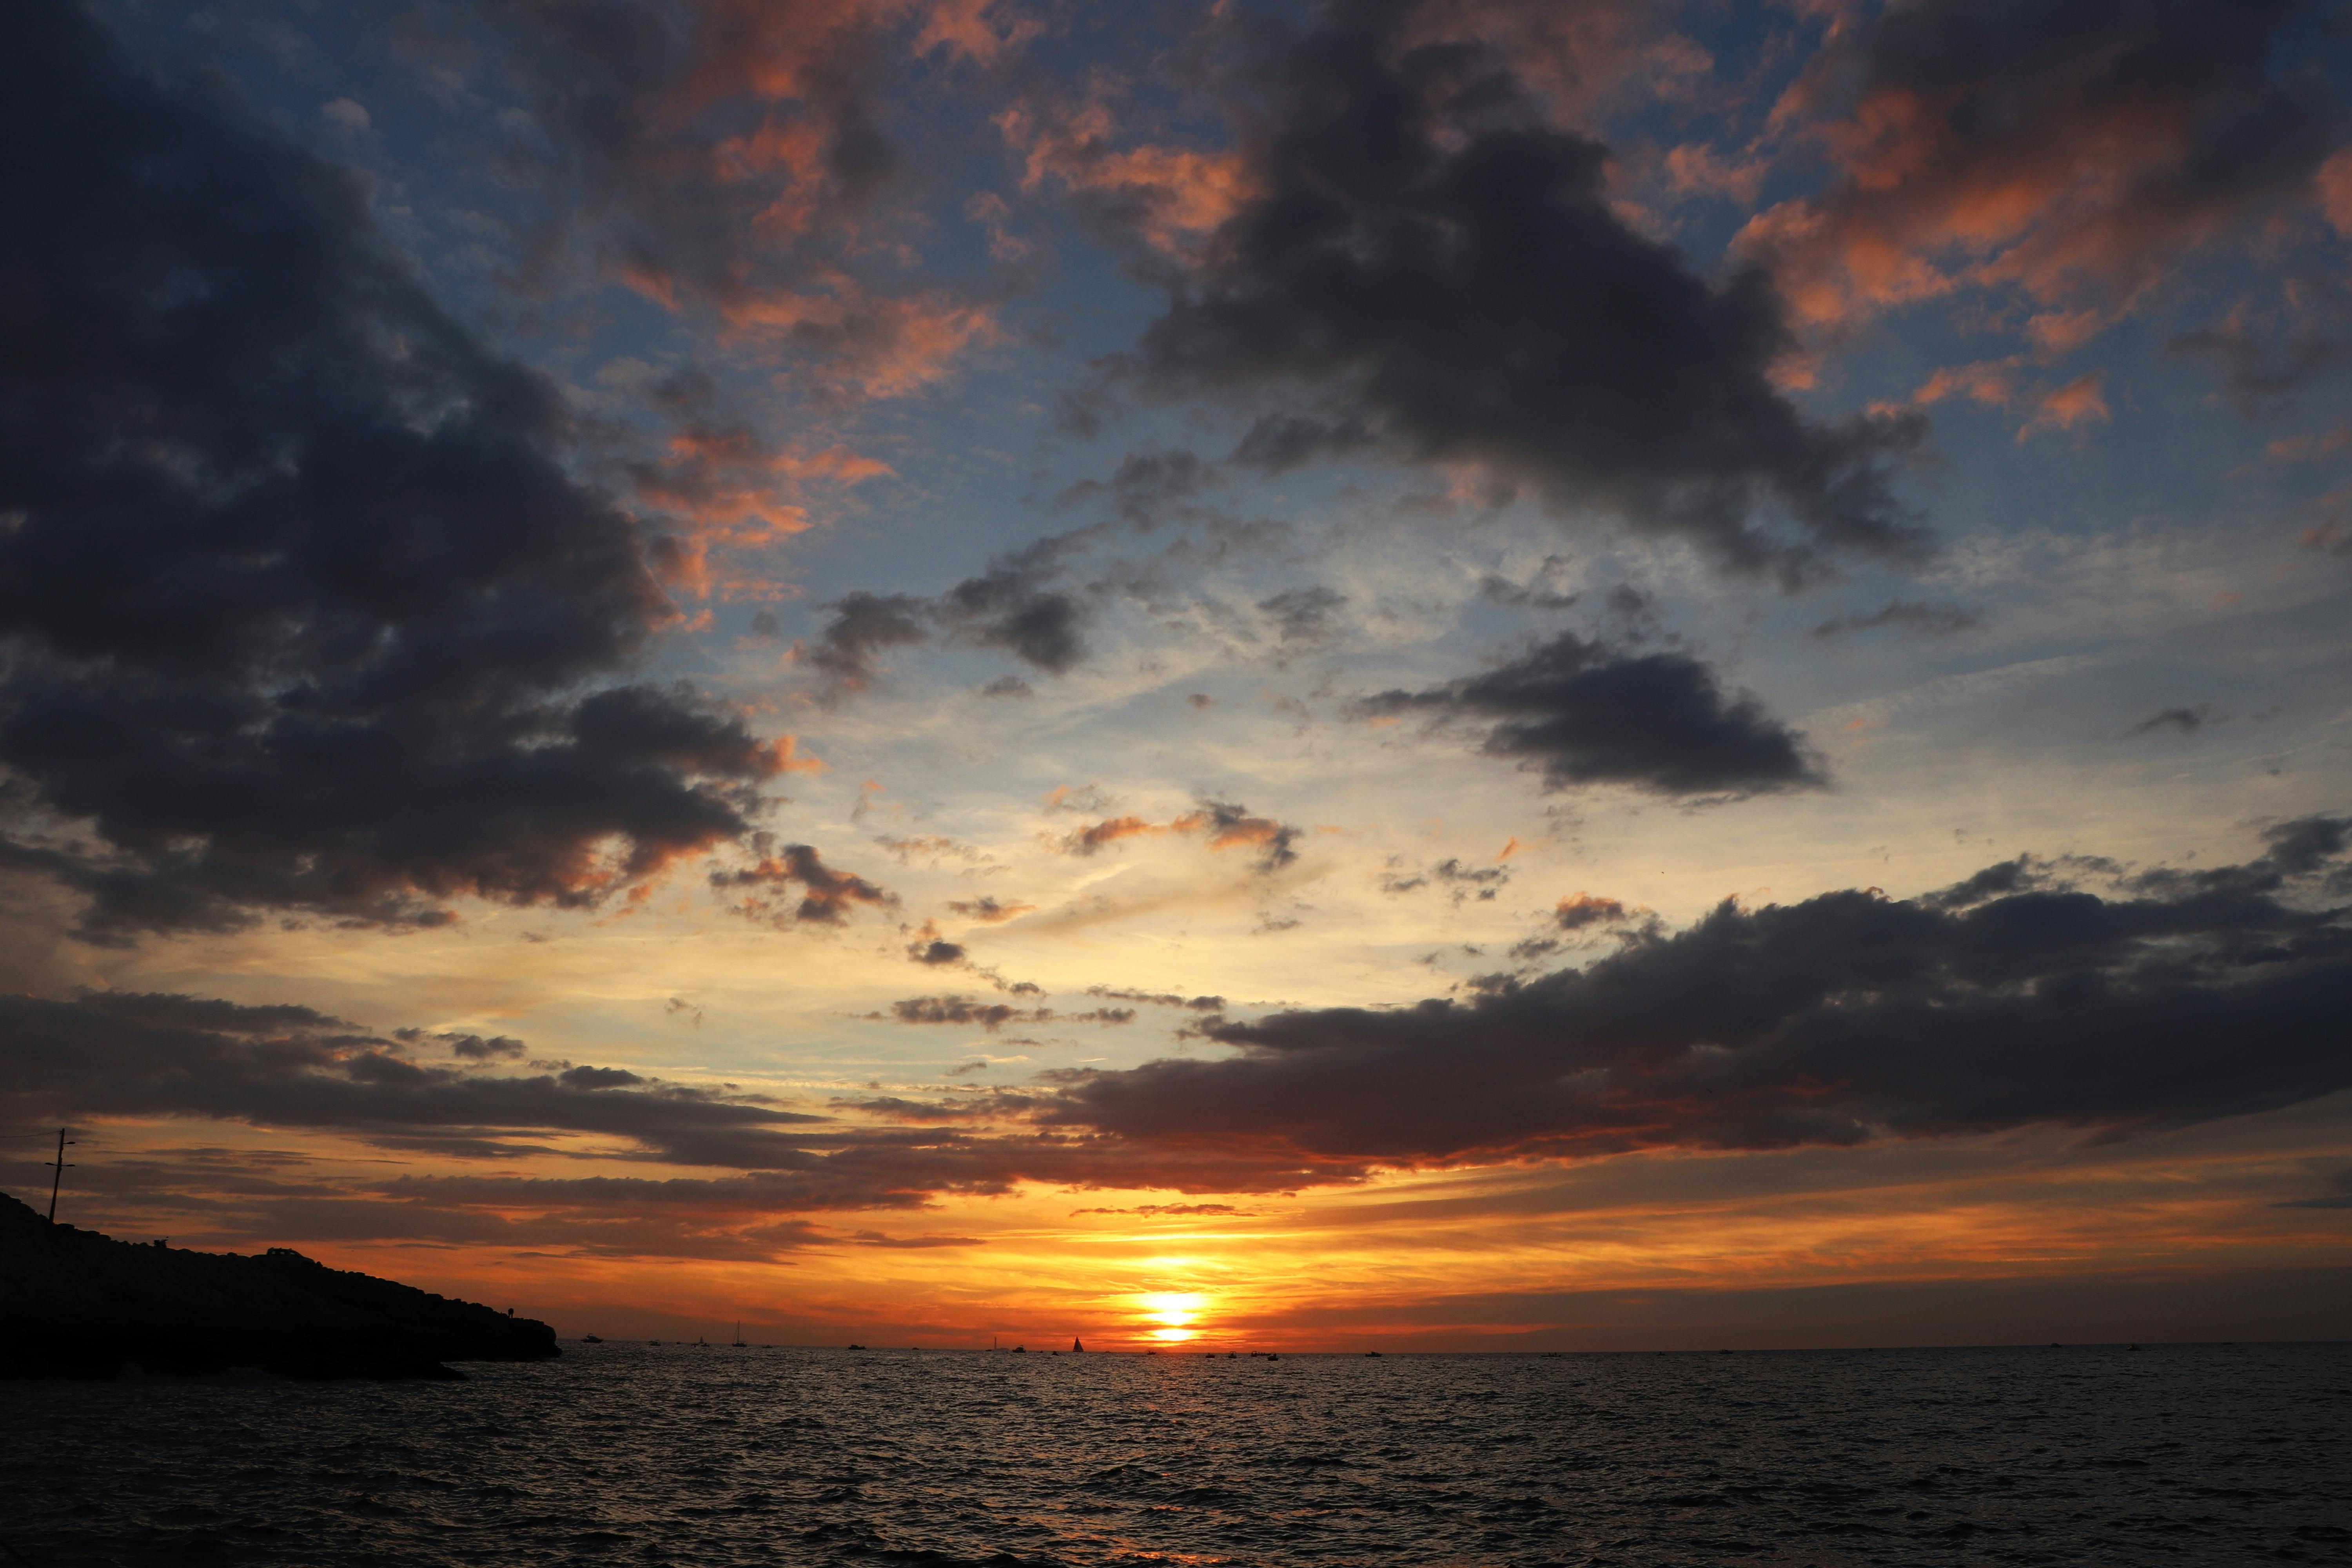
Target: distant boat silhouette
x=739 y=1343
x=590 y=1339
x=1020 y=1350
x=857 y=1347
x=1075 y=1346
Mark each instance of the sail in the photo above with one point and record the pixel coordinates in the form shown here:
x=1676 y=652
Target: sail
x=1074 y=1344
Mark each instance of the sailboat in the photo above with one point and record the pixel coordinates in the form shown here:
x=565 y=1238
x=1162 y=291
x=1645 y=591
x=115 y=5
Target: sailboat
x=1075 y=1346
x=739 y=1343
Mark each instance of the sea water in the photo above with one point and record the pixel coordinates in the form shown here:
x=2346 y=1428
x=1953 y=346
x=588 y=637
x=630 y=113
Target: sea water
x=634 y=1454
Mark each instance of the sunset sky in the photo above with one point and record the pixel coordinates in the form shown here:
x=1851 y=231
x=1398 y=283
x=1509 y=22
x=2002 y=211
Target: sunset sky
x=1428 y=673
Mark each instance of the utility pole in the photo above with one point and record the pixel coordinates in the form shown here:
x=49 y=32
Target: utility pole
x=57 y=1172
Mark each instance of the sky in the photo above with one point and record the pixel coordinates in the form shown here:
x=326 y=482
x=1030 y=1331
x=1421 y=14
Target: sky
x=1432 y=674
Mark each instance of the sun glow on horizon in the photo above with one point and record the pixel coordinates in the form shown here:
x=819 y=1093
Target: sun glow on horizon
x=1178 y=1310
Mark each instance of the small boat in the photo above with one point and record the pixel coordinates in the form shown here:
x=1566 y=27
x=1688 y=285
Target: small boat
x=741 y=1344
x=1020 y=1350
x=857 y=1347
x=590 y=1339
x=1077 y=1348
x=1371 y=1352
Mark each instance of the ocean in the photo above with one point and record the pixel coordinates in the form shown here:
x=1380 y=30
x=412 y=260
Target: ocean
x=634 y=1454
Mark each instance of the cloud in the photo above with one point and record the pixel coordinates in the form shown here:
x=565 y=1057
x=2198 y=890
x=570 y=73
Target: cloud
x=989 y=911
x=1171 y=198
x=1579 y=910
x=828 y=896
x=1159 y=998
x=1424 y=269
x=1225 y=824
x=727 y=156
x=1229 y=824
x=876 y=1239
x=1585 y=714
x=1913 y=617
x=1170 y=1211
x=2070 y=152
x=2339 y=1196
x=2180 y=997
x=1462 y=882
x=116 y=1055
x=1147 y=487
x=2263 y=364
x=2081 y=401
x=863 y=624
x=2187 y=720
x=1303 y=615
x=1015 y=605
x=467 y=1047
x=1012 y=605
x=965 y=1010
x=1092 y=838
x=305 y=609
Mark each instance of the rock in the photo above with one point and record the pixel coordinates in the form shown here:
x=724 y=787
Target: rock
x=74 y=1303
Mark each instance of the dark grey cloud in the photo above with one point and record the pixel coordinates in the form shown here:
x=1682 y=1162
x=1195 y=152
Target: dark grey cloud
x=994 y=1015
x=1584 y=713
x=1015 y=606
x=1908 y=615
x=1461 y=882
x=2180 y=997
x=1159 y=998
x=1148 y=488
x=1432 y=273
x=302 y=607
x=2184 y=720
x=963 y=1010
x=1579 y=911
x=1020 y=604
x=132 y=1055
x=467 y=1047
x=2263 y=374
x=862 y=626
x=1303 y=615
x=989 y=910
x=128 y=1057
x=828 y=895
x=2337 y=1197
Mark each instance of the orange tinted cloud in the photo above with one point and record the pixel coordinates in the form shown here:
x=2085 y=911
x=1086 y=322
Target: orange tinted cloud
x=2335 y=185
x=1087 y=840
x=735 y=166
x=1166 y=196
x=2081 y=401
x=2067 y=154
x=726 y=490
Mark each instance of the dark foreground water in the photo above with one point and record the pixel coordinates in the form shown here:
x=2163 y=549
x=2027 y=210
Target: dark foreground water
x=628 y=1454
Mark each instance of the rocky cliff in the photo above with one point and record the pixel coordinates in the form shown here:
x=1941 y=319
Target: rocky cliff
x=74 y=1303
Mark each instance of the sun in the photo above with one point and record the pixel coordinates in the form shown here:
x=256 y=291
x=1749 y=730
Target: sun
x=1176 y=1309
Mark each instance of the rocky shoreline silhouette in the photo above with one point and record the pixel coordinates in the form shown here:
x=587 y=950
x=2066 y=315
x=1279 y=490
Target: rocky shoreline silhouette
x=77 y=1304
